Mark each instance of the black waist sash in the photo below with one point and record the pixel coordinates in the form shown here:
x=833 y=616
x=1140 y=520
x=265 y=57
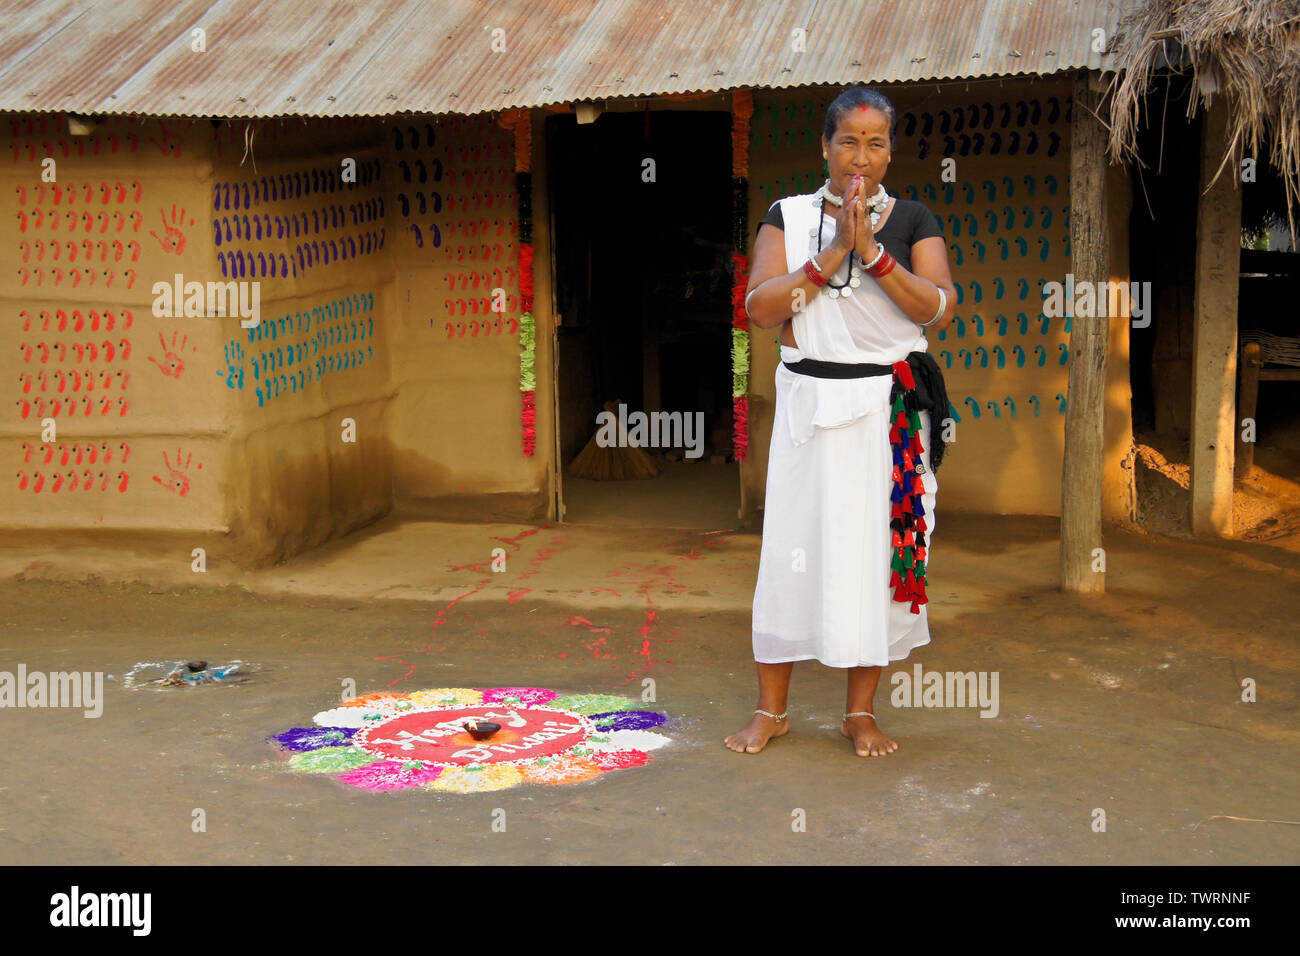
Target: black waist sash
x=928 y=395
x=918 y=386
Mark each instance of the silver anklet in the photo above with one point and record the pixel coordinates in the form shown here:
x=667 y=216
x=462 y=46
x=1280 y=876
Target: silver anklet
x=776 y=717
x=860 y=713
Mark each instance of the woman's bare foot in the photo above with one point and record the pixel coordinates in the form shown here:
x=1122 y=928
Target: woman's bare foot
x=867 y=738
x=754 y=736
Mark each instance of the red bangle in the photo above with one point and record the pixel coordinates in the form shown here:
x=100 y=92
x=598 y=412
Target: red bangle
x=811 y=272
x=883 y=267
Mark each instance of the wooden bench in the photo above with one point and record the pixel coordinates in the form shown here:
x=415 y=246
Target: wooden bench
x=1258 y=350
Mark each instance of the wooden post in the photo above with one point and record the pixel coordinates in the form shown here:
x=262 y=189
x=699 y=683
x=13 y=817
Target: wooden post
x=1081 y=468
x=1251 y=360
x=1214 y=339
x=546 y=321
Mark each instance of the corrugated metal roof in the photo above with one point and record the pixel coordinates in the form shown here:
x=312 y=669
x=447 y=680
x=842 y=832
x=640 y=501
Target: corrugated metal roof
x=380 y=57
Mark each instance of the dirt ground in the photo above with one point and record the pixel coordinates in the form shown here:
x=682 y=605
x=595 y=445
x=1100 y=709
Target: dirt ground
x=1129 y=703
x=1265 y=500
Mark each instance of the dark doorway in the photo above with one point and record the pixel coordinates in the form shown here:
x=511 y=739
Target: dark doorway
x=641 y=207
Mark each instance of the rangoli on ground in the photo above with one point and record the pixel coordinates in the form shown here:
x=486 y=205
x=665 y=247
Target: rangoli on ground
x=389 y=741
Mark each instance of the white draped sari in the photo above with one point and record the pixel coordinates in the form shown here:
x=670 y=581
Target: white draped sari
x=823 y=577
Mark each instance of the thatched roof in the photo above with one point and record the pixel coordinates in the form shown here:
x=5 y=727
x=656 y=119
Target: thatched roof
x=1245 y=50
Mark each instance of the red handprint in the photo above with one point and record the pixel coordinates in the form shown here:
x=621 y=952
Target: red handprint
x=177 y=480
x=172 y=240
x=172 y=364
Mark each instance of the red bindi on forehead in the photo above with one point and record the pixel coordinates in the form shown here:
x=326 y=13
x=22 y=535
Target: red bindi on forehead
x=863 y=108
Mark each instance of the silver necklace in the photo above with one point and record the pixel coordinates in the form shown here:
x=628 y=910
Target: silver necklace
x=876 y=203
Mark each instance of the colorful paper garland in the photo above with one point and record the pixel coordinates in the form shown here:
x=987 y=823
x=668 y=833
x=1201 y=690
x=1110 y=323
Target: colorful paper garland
x=742 y=112
x=520 y=122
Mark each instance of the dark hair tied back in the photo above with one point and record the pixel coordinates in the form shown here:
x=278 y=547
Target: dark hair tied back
x=852 y=98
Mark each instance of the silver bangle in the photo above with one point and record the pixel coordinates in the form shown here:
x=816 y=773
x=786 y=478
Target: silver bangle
x=749 y=295
x=943 y=304
x=880 y=251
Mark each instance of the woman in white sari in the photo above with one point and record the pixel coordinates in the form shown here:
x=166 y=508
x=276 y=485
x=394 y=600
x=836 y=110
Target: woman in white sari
x=849 y=506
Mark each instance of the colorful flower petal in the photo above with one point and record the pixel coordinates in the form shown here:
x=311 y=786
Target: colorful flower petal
x=565 y=768
x=354 y=717
x=592 y=703
x=390 y=775
x=330 y=760
x=447 y=697
x=619 y=759
x=380 y=700
x=519 y=695
x=301 y=739
x=627 y=740
x=629 y=720
x=477 y=779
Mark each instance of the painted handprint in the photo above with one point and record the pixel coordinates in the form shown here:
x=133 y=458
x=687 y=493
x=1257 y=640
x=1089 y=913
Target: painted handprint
x=172 y=239
x=177 y=480
x=234 y=372
x=172 y=364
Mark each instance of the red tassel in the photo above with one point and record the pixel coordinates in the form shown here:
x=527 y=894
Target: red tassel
x=904 y=373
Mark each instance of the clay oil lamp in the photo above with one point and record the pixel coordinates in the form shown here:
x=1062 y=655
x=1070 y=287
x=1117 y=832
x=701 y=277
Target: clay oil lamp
x=481 y=729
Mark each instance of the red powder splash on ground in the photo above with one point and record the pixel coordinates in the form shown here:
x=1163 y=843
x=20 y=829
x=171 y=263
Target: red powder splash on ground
x=482 y=567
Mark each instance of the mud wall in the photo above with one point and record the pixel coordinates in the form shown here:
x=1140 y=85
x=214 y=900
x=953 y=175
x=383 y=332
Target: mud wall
x=456 y=426
x=133 y=408
x=303 y=209
x=1005 y=216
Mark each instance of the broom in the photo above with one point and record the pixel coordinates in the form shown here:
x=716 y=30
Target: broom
x=617 y=463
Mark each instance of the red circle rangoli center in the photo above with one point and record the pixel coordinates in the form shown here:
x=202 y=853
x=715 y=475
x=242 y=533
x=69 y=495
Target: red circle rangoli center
x=438 y=735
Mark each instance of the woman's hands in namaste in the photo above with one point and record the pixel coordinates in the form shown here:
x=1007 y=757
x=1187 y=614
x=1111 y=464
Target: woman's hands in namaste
x=848 y=221
x=865 y=238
